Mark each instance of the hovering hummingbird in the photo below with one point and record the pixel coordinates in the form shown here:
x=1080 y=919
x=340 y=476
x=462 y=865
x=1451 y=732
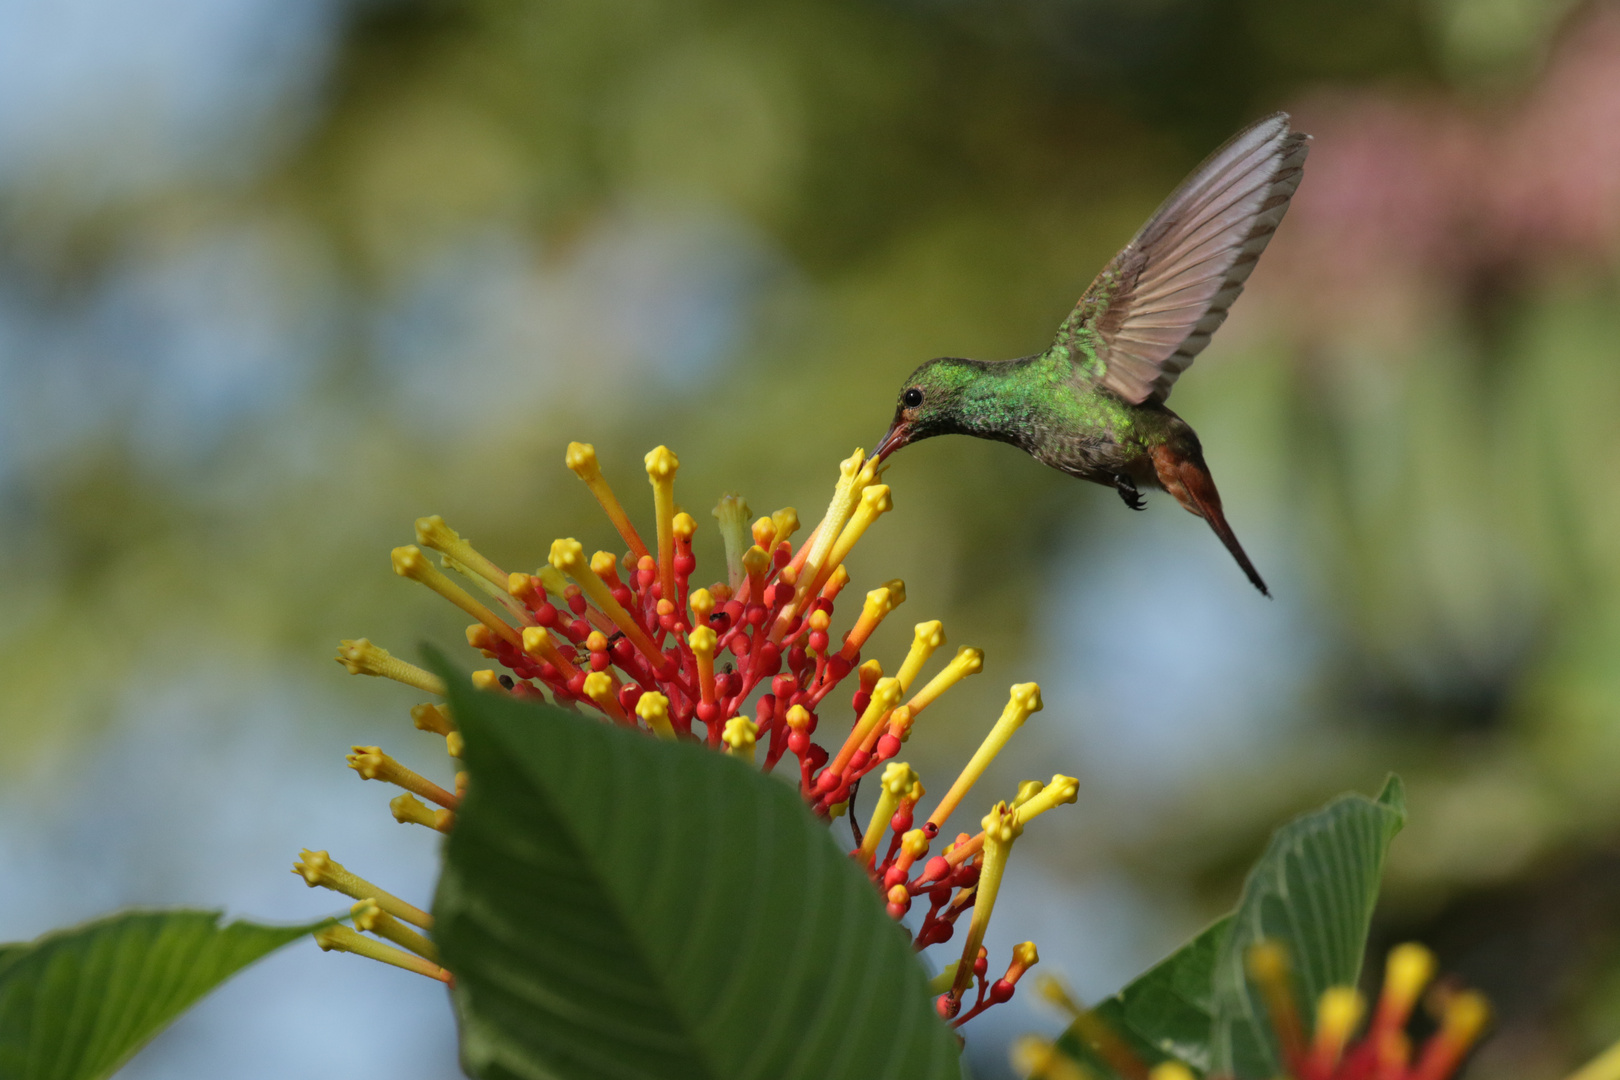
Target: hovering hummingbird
x=1092 y=405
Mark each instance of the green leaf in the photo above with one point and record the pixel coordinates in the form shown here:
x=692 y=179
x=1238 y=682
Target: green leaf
x=616 y=906
x=75 y=1004
x=1313 y=890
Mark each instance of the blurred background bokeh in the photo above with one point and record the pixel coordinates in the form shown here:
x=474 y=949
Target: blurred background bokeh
x=279 y=276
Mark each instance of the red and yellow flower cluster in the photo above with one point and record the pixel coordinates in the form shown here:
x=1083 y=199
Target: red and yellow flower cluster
x=624 y=634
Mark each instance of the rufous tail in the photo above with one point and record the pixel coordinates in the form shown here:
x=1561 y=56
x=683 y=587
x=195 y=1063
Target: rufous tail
x=1185 y=476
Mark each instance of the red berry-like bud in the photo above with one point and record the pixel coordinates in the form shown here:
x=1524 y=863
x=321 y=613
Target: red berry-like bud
x=947 y=1005
x=930 y=830
x=818 y=641
x=770 y=657
x=576 y=603
x=755 y=614
x=861 y=700
x=897 y=911
x=981 y=965
x=940 y=894
x=966 y=875
x=887 y=747
x=937 y=869
x=579 y=630
x=798 y=742
x=684 y=565
x=734 y=609
x=893 y=876
x=766 y=710
x=857 y=762
x=1001 y=990
x=600 y=660
x=827 y=781
x=576 y=683
x=901 y=822
x=549 y=672
x=784 y=686
x=818 y=753
x=837 y=668
x=707 y=713
x=622 y=595
x=546 y=615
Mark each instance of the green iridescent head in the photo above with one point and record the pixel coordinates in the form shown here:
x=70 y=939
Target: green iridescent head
x=935 y=400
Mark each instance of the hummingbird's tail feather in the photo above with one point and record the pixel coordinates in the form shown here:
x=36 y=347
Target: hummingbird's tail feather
x=1185 y=476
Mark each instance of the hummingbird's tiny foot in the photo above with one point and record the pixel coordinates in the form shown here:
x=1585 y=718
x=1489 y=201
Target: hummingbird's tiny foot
x=1128 y=493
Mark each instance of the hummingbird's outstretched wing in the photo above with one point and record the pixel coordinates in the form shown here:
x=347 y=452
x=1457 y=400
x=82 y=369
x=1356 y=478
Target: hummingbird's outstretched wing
x=1154 y=307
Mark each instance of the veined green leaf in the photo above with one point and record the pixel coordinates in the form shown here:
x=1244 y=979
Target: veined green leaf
x=616 y=906
x=1313 y=890
x=75 y=1004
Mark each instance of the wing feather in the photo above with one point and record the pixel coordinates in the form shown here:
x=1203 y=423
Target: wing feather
x=1156 y=305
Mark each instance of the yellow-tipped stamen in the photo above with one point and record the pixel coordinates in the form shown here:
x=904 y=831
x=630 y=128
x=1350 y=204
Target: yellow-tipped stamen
x=1062 y=789
x=319 y=868
x=372 y=764
x=432 y=532
x=1171 y=1070
x=343 y=939
x=568 y=556
x=925 y=638
x=606 y=567
x=869 y=673
x=1024 y=700
x=409 y=562
x=480 y=638
x=853 y=475
x=1040 y=1059
x=661 y=467
x=361 y=657
x=1338 y=1011
x=581 y=458
x=488 y=681
x=784 y=523
x=600 y=689
x=653 y=709
x=740 y=735
x=763 y=530
x=703 y=640
x=502 y=596
x=967 y=661
x=885 y=696
x=835 y=582
x=702 y=604
x=370 y=917
x=732 y=514
x=1268 y=968
x=430 y=717
x=1001 y=829
x=756 y=563
x=879 y=602
x=538 y=644
x=409 y=810
x=898 y=778
x=875 y=501
x=1406 y=972
x=454 y=744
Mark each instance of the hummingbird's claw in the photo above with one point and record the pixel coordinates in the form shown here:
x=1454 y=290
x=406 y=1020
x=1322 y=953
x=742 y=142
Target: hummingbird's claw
x=1128 y=493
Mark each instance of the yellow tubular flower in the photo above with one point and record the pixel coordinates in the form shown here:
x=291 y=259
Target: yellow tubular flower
x=568 y=557
x=432 y=532
x=361 y=657
x=1338 y=1011
x=371 y=918
x=1024 y=700
x=408 y=810
x=898 y=779
x=342 y=939
x=925 y=638
x=317 y=868
x=703 y=641
x=740 y=735
x=409 y=562
x=538 y=644
x=430 y=717
x=661 y=467
x=967 y=661
x=879 y=602
x=1001 y=828
x=785 y=523
x=600 y=689
x=885 y=696
x=1062 y=789
x=875 y=501
x=756 y=564
x=372 y=764
x=854 y=474
x=581 y=458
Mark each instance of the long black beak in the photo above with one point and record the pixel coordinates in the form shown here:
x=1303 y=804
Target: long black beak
x=899 y=434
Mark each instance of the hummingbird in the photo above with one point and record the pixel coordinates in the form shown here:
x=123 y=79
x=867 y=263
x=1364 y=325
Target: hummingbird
x=1093 y=404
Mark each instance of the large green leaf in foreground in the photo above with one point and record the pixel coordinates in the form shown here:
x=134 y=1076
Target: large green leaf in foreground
x=1313 y=890
x=615 y=906
x=75 y=1004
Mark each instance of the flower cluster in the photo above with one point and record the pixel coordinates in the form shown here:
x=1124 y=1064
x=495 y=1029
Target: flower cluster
x=1330 y=1050
x=624 y=635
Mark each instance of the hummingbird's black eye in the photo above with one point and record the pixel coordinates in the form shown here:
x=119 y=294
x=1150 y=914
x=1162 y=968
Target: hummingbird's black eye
x=911 y=398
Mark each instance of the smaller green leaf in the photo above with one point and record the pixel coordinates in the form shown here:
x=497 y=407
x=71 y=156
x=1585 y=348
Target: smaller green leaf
x=76 y=1004
x=1313 y=889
